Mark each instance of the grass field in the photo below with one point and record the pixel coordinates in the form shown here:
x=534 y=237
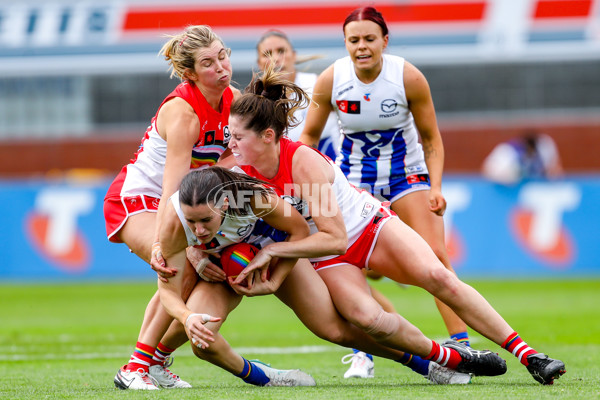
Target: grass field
x=66 y=341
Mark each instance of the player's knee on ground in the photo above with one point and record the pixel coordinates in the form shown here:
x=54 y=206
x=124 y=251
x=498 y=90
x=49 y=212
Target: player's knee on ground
x=383 y=326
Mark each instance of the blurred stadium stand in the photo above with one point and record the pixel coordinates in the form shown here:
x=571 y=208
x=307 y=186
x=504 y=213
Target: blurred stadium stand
x=80 y=81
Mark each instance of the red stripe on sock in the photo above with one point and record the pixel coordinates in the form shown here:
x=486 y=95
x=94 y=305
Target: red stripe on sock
x=518 y=347
x=444 y=356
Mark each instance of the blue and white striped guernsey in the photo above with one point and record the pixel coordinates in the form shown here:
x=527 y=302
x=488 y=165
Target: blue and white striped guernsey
x=380 y=141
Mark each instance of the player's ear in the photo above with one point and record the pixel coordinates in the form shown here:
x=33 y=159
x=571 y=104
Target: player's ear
x=269 y=135
x=225 y=204
x=190 y=74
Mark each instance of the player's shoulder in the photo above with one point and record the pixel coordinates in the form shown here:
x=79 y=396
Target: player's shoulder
x=177 y=109
x=308 y=158
x=235 y=92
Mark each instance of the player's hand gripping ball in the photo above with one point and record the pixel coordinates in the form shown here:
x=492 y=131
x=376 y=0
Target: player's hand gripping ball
x=236 y=257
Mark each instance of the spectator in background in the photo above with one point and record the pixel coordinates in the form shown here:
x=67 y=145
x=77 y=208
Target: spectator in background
x=275 y=45
x=532 y=155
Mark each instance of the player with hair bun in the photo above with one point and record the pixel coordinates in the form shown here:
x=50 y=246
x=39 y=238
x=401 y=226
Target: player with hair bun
x=275 y=46
x=207 y=212
x=352 y=230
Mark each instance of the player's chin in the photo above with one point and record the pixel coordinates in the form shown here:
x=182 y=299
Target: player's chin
x=204 y=238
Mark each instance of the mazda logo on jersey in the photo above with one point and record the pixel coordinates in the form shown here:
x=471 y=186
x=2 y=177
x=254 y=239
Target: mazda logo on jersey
x=244 y=230
x=348 y=106
x=388 y=105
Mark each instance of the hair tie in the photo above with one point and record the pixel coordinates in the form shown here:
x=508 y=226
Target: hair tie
x=264 y=93
x=182 y=39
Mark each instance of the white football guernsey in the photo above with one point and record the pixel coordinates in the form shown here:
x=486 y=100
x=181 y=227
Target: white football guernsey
x=380 y=141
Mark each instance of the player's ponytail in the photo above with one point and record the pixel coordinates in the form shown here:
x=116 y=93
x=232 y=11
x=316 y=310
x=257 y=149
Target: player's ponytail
x=269 y=101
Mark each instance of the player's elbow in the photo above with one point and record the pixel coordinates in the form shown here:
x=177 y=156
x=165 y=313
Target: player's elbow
x=303 y=231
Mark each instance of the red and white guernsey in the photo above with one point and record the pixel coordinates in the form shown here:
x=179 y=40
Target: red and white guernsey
x=145 y=171
x=357 y=206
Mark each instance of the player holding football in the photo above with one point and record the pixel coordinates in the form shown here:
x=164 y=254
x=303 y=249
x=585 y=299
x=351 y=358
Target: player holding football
x=215 y=208
x=352 y=230
x=209 y=211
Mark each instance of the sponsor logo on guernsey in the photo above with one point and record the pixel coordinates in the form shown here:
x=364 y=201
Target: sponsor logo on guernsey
x=210 y=138
x=367 y=96
x=348 y=106
x=413 y=169
x=420 y=178
x=367 y=209
x=242 y=231
x=388 y=106
x=226 y=134
x=341 y=92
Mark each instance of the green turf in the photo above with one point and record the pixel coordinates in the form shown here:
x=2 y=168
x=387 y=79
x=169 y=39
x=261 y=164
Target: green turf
x=67 y=341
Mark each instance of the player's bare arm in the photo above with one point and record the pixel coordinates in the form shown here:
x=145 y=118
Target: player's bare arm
x=282 y=216
x=178 y=124
x=420 y=103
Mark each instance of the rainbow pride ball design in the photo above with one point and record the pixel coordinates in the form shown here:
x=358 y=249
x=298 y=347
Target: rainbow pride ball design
x=236 y=257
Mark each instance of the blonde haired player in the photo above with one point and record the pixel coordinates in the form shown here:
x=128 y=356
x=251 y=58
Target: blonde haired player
x=188 y=132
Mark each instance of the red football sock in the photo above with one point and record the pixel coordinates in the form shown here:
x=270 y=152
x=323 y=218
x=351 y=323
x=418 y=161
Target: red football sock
x=444 y=356
x=518 y=347
x=161 y=353
x=141 y=357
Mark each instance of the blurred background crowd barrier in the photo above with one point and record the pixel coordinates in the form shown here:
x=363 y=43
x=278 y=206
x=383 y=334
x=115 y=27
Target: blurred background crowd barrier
x=80 y=81
x=534 y=229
